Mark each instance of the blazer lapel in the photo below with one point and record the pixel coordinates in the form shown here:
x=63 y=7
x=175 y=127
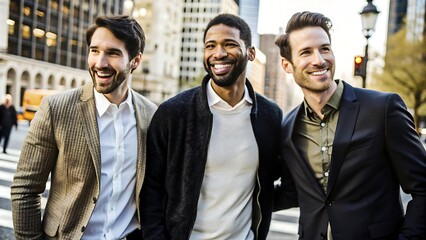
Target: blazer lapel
x=349 y=109
x=141 y=126
x=304 y=164
x=87 y=115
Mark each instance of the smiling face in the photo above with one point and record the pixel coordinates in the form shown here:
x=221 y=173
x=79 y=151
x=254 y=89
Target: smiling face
x=225 y=55
x=313 y=61
x=109 y=63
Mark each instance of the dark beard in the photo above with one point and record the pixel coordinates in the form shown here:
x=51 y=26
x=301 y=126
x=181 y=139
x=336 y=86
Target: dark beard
x=116 y=82
x=230 y=78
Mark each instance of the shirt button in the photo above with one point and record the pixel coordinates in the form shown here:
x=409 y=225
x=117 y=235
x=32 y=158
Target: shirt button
x=323 y=149
x=329 y=203
x=83 y=228
x=326 y=174
x=322 y=124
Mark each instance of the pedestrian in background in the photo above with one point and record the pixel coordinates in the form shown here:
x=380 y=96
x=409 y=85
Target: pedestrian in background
x=8 y=119
x=350 y=150
x=213 y=150
x=91 y=142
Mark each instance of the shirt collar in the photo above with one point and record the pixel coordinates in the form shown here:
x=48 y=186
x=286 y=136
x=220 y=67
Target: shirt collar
x=332 y=104
x=214 y=99
x=102 y=103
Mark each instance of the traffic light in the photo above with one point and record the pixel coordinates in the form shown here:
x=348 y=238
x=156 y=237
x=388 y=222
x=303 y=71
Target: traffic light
x=359 y=66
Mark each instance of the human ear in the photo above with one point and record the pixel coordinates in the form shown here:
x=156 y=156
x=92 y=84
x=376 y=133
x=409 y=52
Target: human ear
x=251 y=53
x=287 y=65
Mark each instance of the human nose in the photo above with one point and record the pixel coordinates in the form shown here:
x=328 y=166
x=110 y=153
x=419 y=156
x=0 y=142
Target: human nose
x=101 y=61
x=220 y=52
x=318 y=58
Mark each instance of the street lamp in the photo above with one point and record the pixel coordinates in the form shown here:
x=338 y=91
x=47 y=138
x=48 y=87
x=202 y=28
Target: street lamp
x=368 y=17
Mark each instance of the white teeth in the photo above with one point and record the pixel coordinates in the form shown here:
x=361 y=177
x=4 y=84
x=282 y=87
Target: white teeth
x=103 y=74
x=219 y=66
x=319 y=73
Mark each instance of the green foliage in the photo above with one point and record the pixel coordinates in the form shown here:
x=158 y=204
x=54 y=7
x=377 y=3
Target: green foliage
x=405 y=71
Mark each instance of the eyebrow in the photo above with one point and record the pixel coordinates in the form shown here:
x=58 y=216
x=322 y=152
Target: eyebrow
x=108 y=49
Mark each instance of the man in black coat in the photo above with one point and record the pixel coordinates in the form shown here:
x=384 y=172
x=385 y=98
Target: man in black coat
x=213 y=151
x=350 y=150
x=8 y=119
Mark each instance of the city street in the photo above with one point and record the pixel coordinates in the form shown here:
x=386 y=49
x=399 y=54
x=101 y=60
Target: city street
x=283 y=225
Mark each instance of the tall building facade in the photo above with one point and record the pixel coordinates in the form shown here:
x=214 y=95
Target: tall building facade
x=397 y=13
x=196 y=15
x=416 y=19
x=278 y=85
x=162 y=22
x=43 y=43
x=249 y=11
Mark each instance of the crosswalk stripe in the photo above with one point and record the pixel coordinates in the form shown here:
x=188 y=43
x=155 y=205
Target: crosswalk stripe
x=8 y=165
x=286 y=227
x=283 y=227
x=292 y=212
x=6 y=218
x=6 y=176
x=13 y=155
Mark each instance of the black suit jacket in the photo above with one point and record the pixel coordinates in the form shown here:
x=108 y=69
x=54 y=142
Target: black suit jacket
x=375 y=151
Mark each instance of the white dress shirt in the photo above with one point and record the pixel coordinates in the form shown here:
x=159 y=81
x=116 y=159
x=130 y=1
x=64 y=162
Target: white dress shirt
x=115 y=212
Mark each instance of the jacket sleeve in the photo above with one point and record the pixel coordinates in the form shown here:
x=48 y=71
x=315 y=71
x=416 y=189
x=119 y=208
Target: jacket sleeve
x=153 y=196
x=408 y=158
x=37 y=158
x=285 y=195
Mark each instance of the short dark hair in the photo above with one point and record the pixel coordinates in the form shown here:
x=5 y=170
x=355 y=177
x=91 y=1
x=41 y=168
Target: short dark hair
x=124 y=28
x=298 y=21
x=234 y=21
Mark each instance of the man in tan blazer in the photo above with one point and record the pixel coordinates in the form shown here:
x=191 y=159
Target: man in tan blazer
x=91 y=142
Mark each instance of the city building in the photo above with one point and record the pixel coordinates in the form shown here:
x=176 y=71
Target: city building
x=249 y=11
x=158 y=78
x=278 y=85
x=397 y=13
x=416 y=19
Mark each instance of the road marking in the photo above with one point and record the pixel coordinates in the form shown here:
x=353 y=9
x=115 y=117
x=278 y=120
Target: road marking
x=286 y=227
x=6 y=218
x=8 y=165
x=283 y=227
x=292 y=212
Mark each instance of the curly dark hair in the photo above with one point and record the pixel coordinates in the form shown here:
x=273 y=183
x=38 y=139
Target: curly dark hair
x=234 y=21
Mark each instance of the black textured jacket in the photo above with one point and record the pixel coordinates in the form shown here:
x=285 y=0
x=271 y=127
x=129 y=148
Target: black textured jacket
x=178 y=140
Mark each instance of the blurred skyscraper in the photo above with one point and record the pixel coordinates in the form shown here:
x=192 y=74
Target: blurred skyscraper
x=162 y=22
x=249 y=11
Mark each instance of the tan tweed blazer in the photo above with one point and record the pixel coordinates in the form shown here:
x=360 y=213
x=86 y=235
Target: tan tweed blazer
x=63 y=142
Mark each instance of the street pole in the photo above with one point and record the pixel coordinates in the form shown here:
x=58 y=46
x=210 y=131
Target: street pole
x=364 y=77
x=368 y=17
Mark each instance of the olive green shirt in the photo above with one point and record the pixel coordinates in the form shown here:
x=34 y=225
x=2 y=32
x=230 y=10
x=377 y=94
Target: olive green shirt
x=314 y=136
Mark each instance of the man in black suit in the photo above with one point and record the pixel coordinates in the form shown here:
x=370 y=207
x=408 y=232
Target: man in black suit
x=349 y=150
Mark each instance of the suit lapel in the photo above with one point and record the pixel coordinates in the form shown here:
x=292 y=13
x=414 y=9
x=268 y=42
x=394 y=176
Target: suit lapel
x=87 y=115
x=141 y=126
x=348 y=116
